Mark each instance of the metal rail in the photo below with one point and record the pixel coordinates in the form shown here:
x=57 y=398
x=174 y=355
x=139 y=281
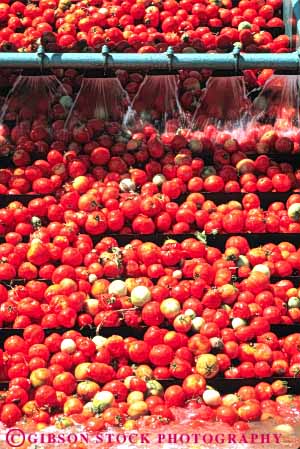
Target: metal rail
x=288 y=15
x=234 y=61
x=295 y=19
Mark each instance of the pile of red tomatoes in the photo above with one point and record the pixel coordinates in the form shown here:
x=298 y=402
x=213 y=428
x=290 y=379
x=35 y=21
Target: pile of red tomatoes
x=142 y=201
x=143 y=27
x=68 y=283
x=62 y=379
x=116 y=304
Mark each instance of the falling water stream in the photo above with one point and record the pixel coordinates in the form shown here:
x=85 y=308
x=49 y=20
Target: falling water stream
x=278 y=104
x=101 y=98
x=157 y=103
x=224 y=105
x=32 y=97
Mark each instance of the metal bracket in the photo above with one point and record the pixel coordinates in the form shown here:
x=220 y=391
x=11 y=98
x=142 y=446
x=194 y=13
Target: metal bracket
x=170 y=55
x=41 y=55
x=105 y=54
x=298 y=54
x=236 y=53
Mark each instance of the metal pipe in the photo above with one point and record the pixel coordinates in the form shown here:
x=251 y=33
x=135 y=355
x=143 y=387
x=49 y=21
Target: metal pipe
x=288 y=19
x=296 y=14
x=151 y=61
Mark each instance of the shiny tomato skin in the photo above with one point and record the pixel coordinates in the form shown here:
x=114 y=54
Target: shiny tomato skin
x=161 y=355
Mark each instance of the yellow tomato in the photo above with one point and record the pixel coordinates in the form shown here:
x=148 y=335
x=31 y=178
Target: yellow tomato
x=207 y=365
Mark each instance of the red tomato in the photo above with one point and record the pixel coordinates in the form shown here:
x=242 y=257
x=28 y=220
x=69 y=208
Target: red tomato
x=249 y=411
x=226 y=414
x=10 y=414
x=161 y=355
x=139 y=351
x=175 y=396
x=151 y=314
